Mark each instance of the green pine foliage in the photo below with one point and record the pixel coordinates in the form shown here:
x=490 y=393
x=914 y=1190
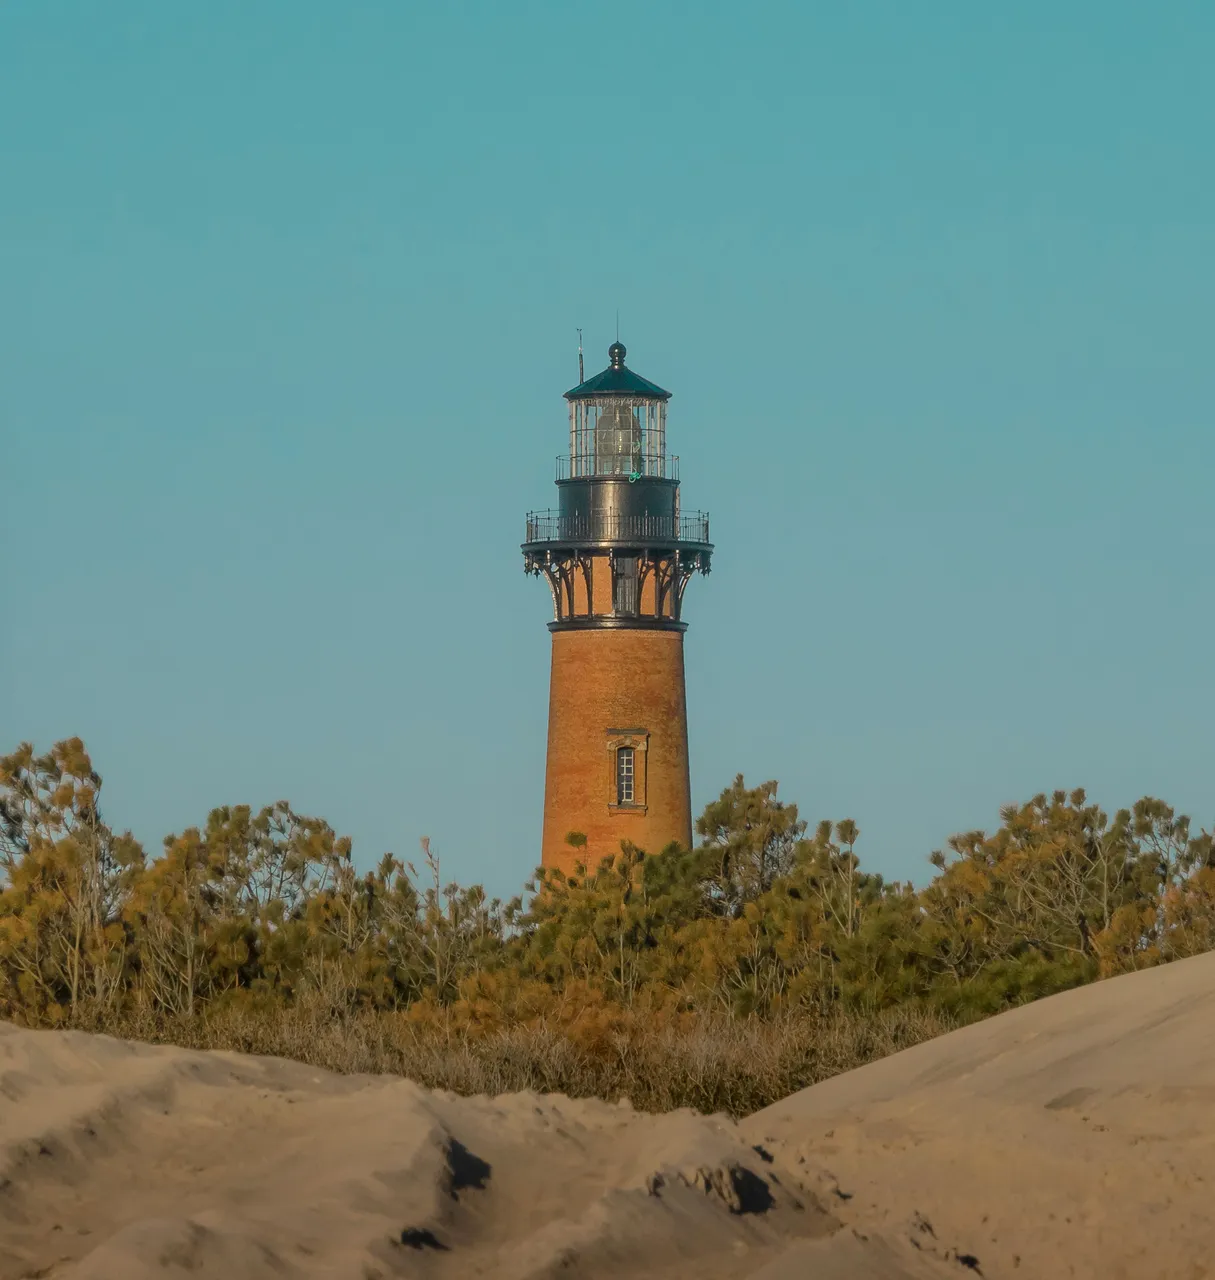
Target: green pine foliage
x=760 y=946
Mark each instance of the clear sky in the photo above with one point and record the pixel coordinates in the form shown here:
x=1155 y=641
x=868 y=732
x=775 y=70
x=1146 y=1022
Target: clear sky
x=288 y=297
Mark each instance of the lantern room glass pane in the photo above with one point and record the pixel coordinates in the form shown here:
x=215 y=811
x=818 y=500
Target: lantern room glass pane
x=617 y=441
x=618 y=437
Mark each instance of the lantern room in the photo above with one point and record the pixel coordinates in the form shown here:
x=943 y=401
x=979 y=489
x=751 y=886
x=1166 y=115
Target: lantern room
x=618 y=423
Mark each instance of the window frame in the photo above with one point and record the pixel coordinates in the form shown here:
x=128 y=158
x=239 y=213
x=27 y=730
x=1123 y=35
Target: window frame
x=626 y=586
x=637 y=741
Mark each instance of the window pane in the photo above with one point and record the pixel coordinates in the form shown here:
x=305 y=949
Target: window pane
x=624 y=775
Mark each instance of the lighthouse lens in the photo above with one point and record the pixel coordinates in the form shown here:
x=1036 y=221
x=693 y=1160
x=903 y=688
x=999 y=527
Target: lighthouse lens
x=618 y=435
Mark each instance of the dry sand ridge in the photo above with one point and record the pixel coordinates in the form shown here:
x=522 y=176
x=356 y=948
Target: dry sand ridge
x=1070 y=1138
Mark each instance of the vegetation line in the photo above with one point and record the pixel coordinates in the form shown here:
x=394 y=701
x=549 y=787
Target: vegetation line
x=722 y=977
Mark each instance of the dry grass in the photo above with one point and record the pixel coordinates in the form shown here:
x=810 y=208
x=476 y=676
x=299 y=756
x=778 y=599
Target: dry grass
x=735 y=1066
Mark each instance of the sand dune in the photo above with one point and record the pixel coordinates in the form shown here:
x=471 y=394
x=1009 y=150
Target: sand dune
x=1070 y=1138
x=126 y=1160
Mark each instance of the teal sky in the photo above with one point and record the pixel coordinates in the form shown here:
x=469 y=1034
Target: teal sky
x=288 y=296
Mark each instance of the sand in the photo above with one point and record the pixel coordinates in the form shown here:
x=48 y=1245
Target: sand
x=1070 y=1138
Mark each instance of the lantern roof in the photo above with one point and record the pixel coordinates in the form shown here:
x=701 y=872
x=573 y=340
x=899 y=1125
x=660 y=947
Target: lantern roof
x=617 y=380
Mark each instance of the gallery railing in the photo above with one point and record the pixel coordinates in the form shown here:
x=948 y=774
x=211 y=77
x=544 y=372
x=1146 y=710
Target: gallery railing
x=634 y=466
x=609 y=526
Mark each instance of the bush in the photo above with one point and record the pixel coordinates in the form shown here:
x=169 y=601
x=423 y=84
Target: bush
x=721 y=977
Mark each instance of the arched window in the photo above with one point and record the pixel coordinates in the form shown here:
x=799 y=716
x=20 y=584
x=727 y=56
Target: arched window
x=625 y=775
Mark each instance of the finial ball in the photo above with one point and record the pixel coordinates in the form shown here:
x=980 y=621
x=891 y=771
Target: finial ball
x=616 y=354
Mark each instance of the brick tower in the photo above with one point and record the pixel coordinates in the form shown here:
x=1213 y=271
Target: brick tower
x=617 y=554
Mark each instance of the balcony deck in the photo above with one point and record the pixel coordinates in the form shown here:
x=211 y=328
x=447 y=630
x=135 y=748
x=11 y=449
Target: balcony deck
x=551 y=529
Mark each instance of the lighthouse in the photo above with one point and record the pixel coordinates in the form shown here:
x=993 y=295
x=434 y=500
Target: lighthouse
x=617 y=552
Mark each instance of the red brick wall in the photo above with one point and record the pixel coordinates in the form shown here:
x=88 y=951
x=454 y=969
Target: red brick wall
x=615 y=679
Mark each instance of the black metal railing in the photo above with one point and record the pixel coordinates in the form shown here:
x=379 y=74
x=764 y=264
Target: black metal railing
x=634 y=466
x=608 y=526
